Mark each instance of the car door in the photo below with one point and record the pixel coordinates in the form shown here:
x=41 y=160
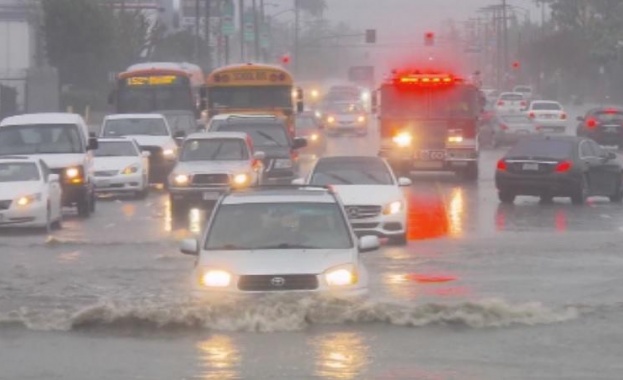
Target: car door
x=605 y=173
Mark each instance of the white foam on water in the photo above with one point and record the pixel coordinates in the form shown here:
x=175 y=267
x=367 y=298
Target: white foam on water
x=283 y=314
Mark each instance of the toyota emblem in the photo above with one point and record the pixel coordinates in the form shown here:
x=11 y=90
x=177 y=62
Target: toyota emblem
x=278 y=281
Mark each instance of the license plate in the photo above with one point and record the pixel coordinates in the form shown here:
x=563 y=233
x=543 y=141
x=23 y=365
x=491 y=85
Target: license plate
x=428 y=165
x=530 y=167
x=210 y=195
x=102 y=183
x=611 y=129
x=431 y=155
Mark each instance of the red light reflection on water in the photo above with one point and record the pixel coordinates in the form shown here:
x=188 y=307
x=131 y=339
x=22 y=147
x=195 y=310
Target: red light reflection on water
x=426 y=217
x=561 y=221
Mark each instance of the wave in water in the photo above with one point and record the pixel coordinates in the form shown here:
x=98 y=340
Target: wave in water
x=284 y=315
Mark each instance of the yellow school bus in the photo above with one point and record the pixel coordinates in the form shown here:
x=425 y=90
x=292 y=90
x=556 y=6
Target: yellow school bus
x=254 y=89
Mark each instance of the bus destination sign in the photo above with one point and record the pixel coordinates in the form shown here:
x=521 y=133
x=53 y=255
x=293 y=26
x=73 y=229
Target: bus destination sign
x=153 y=80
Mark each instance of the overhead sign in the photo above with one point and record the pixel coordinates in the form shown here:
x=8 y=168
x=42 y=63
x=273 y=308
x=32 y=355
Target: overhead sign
x=228 y=12
x=157 y=80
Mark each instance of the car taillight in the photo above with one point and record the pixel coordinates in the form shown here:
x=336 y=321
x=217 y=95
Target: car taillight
x=591 y=123
x=563 y=166
x=503 y=127
x=531 y=115
x=524 y=104
x=563 y=116
x=256 y=163
x=500 y=103
x=502 y=165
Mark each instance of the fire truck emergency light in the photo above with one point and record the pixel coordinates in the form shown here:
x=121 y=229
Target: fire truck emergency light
x=428 y=79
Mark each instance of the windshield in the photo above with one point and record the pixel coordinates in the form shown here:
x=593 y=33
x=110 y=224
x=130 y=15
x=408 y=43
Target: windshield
x=351 y=172
x=152 y=99
x=40 y=139
x=522 y=89
x=262 y=134
x=554 y=149
x=546 y=107
x=457 y=102
x=116 y=149
x=129 y=127
x=512 y=97
x=345 y=108
x=251 y=97
x=18 y=172
x=182 y=123
x=279 y=226
x=306 y=122
x=214 y=150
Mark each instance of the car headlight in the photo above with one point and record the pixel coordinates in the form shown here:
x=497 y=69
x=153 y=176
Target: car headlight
x=393 y=208
x=403 y=139
x=315 y=93
x=318 y=114
x=361 y=119
x=73 y=175
x=365 y=96
x=28 y=199
x=313 y=137
x=241 y=179
x=180 y=179
x=169 y=153
x=283 y=163
x=132 y=169
x=331 y=119
x=341 y=276
x=215 y=279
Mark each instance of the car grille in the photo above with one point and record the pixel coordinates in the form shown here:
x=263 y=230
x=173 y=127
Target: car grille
x=4 y=205
x=210 y=179
x=362 y=212
x=106 y=173
x=278 y=282
x=364 y=226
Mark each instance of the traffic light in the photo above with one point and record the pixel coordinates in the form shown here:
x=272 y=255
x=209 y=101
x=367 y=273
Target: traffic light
x=370 y=36
x=429 y=39
x=285 y=59
x=516 y=65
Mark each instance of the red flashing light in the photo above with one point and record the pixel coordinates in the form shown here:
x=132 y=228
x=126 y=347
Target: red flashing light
x=500 y=103
x=285 y=59
x=428 y=79
x=591 y=123
x=563 y=166
x=611 y=111
x=502 y=165
x=504 y=127
x=516 y=65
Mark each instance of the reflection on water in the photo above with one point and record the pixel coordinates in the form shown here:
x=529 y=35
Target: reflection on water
x=528 y=217
x=398 y=286
x=129 y=210
x=561 y=221
x=195 y=220
x=427 y=217
x=219 y=358
x=456 y=212
x=68 y=257
x=341 y=355
x=168 y=219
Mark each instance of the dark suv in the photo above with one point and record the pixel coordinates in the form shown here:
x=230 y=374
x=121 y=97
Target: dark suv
x=603 y=124
x=269 y=135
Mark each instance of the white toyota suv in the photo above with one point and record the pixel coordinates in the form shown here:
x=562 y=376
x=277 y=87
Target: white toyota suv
x=281 y=239
x=372 y=195
x=63 y=142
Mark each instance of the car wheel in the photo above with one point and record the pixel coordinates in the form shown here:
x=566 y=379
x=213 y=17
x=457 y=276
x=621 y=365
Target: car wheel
x=400 y=240
x=506 y=197
x=581 y=192
x=617 y=197
x=84 y=208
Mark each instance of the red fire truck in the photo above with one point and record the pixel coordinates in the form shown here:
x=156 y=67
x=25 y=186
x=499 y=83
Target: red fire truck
x=428 y=121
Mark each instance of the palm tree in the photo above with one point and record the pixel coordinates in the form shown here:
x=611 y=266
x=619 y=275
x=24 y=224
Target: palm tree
x=314 y=7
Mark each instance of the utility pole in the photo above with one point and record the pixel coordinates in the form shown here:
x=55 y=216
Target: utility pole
x=241 y=16
x=505 y=31
x=263 y=28
x=208 y=32
x=197 y=38
x=256 y=32
x=296 y=36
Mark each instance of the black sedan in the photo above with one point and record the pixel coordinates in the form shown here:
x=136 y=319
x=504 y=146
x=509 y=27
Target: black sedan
x=604 y=125
x=559 y=166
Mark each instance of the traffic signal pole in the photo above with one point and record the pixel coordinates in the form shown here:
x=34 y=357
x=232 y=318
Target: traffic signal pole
x=296 y=36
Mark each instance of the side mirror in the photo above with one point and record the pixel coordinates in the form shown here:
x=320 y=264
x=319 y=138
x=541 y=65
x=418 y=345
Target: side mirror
x=54 y=178
x=93 y=143
x=579 y=118
x=369 y=243
x=404 y=182
x=611 y=156
x=299 y=142
x=298 y=181
x=259 y=156
x=374 y=103
x=146 y=154
x=190 y=247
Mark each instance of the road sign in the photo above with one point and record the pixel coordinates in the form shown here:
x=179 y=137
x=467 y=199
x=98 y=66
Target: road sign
x=228 y=11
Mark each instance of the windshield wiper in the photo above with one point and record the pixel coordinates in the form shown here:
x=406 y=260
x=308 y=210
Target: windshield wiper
x=218 y=150
x=268 y=137
x=226 y=247
x=286 y=246
x=372 y=177
x=339 y=178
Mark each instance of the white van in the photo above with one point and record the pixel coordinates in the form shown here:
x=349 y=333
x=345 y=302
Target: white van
x=63 y=141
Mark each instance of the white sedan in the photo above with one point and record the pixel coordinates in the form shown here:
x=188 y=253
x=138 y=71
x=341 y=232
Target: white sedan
x=30 y=196
x=548 y=116
x=121 y=167
x=372 y=196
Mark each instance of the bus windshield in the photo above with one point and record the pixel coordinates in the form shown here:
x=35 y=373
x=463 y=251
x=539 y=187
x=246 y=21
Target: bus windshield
x=430 y=103
x=151 y=99
x=250 y=97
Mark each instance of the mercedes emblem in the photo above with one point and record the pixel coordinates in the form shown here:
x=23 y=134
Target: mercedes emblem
x=278 y=281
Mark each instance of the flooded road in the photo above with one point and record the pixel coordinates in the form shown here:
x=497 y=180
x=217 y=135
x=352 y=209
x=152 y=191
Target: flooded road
x=482 y=291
